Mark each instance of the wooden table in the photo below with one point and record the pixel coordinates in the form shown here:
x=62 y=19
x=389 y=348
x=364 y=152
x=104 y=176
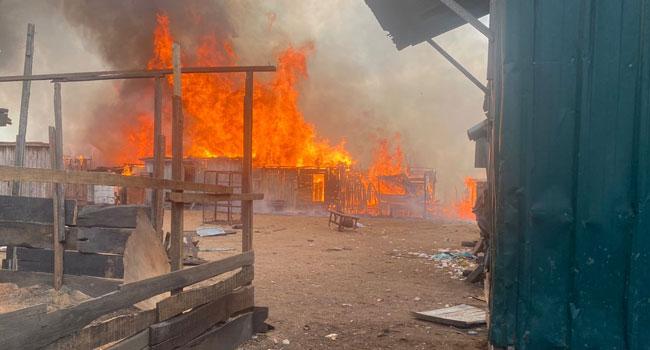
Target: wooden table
x=343 y=220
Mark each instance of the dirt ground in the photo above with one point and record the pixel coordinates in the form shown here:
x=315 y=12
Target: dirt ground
x=357 y=287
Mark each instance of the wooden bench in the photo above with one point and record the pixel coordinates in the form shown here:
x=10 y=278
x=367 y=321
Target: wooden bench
x=343 y=220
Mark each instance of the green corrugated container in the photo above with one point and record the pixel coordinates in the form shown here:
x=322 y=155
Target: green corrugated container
x=570 y=254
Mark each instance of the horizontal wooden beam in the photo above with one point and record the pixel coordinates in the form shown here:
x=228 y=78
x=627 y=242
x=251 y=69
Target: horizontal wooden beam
x=10 y=173
x=185 y=300
x=134 y=74
x=230 y=335
x=34 y=334
x=92 y=286
x=75 y=263
x=184 y=197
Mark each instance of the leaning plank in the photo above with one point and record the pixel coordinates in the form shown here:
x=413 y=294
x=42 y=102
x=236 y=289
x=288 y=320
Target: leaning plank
x=225 y=337
x=209 y=197
x=33 y=209
x=139 y=341
x=181 y=329
x=120 y=216
x=22 y=314
x=92 y=286
x=10 y=173
x=106 y=332
x=101 y=239
x=176 y=304
x=57 y=324
x=75 y=263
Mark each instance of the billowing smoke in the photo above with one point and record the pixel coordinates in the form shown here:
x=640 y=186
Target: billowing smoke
x=359 y=87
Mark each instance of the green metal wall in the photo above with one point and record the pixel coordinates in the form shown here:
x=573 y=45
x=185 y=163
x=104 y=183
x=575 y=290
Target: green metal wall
x=570 y=256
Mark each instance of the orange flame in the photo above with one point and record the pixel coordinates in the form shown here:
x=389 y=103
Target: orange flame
x=213 y=109
x=387 y=163
x=463 y=208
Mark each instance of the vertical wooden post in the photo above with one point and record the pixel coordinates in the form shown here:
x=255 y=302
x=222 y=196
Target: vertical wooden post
x=58 y=246
x=176 y=249
x=19 y=153
x=60 y=188
x=157 y=209
x=247 y=166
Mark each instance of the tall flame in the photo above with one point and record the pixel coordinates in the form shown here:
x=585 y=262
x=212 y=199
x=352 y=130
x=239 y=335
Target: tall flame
x=213 y=109
x=386 y=163
x=462 y=209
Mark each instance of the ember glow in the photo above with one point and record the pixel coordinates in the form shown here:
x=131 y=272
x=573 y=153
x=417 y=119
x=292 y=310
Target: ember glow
x=213 y=109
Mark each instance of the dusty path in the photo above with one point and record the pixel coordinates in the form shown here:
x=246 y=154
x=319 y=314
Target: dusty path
x=359 y=285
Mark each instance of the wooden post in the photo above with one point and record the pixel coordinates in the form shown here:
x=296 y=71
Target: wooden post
x=157 y=209
x=60 y=188
x=247 y=166
x=58 y=246
x=176 y=249
x=19 y=153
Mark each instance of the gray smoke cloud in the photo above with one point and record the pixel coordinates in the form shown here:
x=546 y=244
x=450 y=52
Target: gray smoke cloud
x=359 y=87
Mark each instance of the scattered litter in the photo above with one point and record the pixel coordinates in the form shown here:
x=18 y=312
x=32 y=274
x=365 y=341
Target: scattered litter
x=286 y=342
x=3 y=248
x=217 y=249
x=332 y=336
x=205 y=231
x=463 y=316
x=336 y=249
x=360 y=225
x=306 y=327
x=238 y=227
x=416 y=299
x=279 y=229
x=472 y=332
x=346 y=304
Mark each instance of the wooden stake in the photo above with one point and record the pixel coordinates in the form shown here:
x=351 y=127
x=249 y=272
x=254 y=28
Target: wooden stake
x=176 y=249
x=19 y=154
x=247 y=205
x=60 y=188
x=157 y=209
x=58 y=246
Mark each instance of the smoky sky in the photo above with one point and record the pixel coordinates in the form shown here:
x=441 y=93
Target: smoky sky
x=359 y=87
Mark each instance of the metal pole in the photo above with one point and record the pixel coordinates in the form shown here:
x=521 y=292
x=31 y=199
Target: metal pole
x=19 y=154
x=469 y=18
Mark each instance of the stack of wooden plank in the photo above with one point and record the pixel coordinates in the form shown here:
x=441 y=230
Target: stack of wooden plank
x=95 y=236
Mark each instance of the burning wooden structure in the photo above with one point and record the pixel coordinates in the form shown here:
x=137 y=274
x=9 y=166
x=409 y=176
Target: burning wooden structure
x=220 y=313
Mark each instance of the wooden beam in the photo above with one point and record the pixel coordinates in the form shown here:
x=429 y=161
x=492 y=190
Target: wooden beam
x=60 y=188
x=170 y=334
x=227 y=336
x=75 y=263
x=469 y=18
x=176 y=304
x=17 y=315
x=134 y=74
x=247 y=167
x=19 y=153
x=56 y=243
x=120 y=216
x=92 y=286
x=101 y=239
x=208 y=197
x=176 y=248
x=157 y=209
x=11 y=173
x=458 y=66
x=54 y=325
x=106 y=332
x=138 y=341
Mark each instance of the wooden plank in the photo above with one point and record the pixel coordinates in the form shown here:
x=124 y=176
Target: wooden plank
x=56 y=199
x=176 y=247
x=106 y=332
x=225 y=337
x=101 y=239
x=124 y=216
x=75 y=263
x=139 y=341
x=92 y=286
x=247 y=166
x=19 y=153
x=22 y=314
x=26 y=234
x=208 y=197
x=57 y=324
x=176 y=304
x=33 y=209
x=58 y=163
x=458 y=316
x=181 y=329
x=10 y=173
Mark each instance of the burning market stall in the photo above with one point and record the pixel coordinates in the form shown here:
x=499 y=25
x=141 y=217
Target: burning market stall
x=213 y=313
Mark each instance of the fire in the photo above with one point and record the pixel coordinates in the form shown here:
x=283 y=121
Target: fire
x=463 y=208
x=387 y=163
x=213 y=109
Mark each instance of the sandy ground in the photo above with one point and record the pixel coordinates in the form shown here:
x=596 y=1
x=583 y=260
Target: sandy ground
x=359 y=285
